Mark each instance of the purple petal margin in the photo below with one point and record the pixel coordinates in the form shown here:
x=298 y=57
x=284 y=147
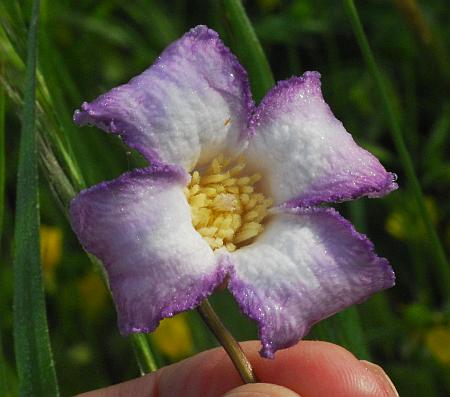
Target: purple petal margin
x=254 y=307
x=371 y=190
x=113 y=221
x=284 y=93
x=196 y=293
x=223 y=75
x=295 y=111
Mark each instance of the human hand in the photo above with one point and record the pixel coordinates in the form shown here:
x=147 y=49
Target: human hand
x=309 y=369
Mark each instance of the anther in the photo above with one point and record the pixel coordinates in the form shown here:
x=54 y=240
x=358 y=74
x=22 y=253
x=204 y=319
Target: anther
x=226 y=210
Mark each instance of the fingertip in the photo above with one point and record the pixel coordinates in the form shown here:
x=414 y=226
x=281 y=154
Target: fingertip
x=382 y=378
x=317 y=369
x=261 y=390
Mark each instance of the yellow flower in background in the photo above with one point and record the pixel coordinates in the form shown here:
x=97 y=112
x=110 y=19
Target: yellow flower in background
x=51 y=250
x=395 y=225
x=93 y=293
x=437 y=340
x=80 y=354
x=173 y=337
x=403 y=224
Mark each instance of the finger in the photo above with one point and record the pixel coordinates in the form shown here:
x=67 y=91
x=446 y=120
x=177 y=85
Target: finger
x=379 y=373
x=261 y=390
x=311 y=369
x=318 y=369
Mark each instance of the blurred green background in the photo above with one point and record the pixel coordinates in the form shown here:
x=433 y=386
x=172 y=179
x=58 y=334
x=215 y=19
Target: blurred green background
x=88 y=47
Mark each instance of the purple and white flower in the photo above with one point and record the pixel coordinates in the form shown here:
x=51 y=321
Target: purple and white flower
x=169 y=234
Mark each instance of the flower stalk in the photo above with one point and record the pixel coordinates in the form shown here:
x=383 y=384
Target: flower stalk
x=231 y=346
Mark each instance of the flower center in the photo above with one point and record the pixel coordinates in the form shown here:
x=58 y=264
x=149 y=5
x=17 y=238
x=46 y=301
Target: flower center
x=226 y=209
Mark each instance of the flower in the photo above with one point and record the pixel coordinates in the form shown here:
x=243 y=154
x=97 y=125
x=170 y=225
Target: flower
x=402 y=224
x=51 y=249
x=233 y=193
x=437 y=340
x=93 y=294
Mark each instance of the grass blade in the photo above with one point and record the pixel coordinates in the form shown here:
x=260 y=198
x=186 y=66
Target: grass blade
x=349 y=332
x=439 y=255
x=31 y=339
x=3 y=379
x=248 y=48
x=2 y=158
x=3 y=376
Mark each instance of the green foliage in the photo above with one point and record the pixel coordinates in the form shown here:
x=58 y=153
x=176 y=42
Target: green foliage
x=393 y=120
x=2 y=158
x=32 y=345
x=88 y=47
x=248 y=48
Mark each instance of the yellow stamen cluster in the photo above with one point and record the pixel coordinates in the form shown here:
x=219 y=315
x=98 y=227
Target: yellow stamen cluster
x=226 y=210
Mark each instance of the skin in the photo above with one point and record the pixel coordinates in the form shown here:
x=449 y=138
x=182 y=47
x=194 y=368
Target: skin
x=309 y=369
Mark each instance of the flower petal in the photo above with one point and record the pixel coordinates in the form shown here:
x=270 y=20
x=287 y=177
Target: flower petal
x=306 y=266
x=308 y=155
x=140 y=227
x=191 y=105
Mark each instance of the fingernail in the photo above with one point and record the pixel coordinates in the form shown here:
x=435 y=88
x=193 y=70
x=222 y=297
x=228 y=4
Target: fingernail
x=260 y=390
x=382 y=377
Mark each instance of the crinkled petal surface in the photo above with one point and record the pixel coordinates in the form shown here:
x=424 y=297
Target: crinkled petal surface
x=305 y=266
x=140 y=227
x=191 y=105
x=305 y=154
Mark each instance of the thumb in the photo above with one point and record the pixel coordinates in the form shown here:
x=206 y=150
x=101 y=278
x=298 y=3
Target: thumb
x=261 y=390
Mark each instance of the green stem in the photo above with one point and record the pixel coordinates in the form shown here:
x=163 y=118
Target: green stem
x=404 y=156
x=61 y=187
x=248 y=48
x=225 y=338
x=144 y=356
